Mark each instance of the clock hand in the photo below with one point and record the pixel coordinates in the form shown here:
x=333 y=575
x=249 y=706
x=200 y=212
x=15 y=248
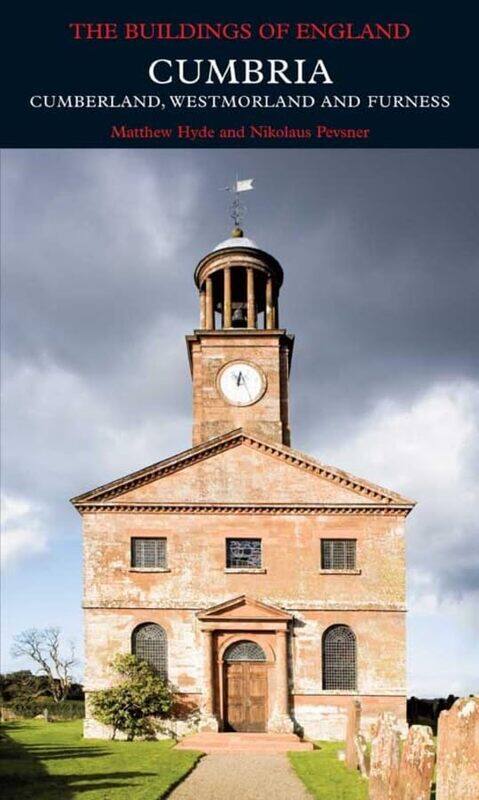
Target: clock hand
x=247 y=388
x=239 y=379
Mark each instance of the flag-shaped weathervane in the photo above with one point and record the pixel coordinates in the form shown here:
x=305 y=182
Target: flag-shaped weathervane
x=237 y=209
x=244 y=186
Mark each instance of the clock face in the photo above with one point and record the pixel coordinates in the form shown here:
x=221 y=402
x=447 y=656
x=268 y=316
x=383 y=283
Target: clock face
x=241 y=383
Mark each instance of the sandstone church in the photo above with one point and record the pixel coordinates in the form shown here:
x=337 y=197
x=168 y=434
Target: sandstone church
x=268 y=587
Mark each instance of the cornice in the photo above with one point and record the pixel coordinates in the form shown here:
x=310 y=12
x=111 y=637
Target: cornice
x=239 y=257
x=272 y=509
x=240 y=333
x=293 y=608
x=240 y=337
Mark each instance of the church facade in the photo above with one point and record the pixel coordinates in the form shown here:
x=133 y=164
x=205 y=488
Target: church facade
x=268 y=587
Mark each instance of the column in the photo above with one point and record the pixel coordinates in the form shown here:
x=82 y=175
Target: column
x=282 y=686
x=202 y=308
x=210 y=315
x=269 y=304
x=208 y=673
x=227 y=298
x=251 y=297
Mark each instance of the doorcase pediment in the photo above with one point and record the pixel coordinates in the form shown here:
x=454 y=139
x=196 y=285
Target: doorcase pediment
x=246 y=613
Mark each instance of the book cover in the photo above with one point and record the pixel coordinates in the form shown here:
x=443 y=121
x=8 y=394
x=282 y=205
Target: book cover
x=240 y=403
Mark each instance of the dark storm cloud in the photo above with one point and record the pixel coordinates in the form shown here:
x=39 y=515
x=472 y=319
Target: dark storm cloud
x=379 y=248
x=381 y=304
x=89 y=252
x=380 y=252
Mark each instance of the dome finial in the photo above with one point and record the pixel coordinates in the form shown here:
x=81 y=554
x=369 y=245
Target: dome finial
x=237 y=209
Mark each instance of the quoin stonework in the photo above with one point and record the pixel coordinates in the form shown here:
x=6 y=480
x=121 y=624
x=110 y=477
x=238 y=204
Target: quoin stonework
x=268 y=587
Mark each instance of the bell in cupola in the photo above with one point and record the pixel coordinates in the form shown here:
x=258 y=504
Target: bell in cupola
x=239 y=319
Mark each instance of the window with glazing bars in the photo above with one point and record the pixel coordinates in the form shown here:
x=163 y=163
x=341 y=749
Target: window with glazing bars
x=339 y=658
x=244 y=651
x=338 y=553
x=243 y=553
x=149 y=643
x=148 y=552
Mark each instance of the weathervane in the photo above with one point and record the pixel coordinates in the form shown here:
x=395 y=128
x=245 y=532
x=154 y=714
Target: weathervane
x=237 y=208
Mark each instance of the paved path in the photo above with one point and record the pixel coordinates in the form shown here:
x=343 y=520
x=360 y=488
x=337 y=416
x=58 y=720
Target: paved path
x=245 y=776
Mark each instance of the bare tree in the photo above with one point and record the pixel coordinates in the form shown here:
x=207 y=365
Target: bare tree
x=55 y=662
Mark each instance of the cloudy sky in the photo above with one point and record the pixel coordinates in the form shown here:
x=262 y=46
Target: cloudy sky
x=380 y=251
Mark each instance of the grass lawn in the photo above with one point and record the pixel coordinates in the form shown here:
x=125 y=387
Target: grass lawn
x=326 y=777
x=51 y=761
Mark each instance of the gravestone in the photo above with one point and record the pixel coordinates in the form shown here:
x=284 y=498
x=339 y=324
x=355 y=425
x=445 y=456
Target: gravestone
x=385 y=754
x=362 y=755
x=417 y=764
x=352 y=730
x=458 y=751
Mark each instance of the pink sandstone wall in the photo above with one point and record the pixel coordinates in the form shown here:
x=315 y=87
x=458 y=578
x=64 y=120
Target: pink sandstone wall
x=322 y=715
x=291 y=558
x=372 y=602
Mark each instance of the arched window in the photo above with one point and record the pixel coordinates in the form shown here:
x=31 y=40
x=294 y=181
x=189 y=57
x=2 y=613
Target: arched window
x=244 y=651
x=149 y=643
x=339 y=658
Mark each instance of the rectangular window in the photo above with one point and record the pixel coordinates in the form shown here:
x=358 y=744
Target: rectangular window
x=338 y=553
x=243 y=553
x=148 y=553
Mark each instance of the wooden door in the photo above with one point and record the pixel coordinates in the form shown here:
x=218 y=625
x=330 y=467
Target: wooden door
x=246 y=694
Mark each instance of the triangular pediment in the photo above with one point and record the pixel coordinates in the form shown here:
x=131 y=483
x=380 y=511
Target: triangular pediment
x=242 y=609
x=239 y=468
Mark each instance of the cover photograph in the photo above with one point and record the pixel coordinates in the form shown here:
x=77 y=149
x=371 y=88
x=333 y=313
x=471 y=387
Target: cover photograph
x=240 y=404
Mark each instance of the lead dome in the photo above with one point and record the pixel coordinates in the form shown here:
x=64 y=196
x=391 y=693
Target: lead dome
x=236 y=241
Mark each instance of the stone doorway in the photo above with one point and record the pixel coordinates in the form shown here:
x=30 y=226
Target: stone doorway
x=245 y=685
x=245 y=630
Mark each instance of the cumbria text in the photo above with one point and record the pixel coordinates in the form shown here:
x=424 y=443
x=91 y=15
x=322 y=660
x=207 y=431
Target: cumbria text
x=246 y=71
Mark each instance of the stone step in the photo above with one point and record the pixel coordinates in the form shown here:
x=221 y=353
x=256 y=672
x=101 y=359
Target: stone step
x=259 y=749
x=239 y=736
x=243 y=743
x=242 y=737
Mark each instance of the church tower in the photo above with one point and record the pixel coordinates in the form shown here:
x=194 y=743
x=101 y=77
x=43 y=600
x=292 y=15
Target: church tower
x=240 y=357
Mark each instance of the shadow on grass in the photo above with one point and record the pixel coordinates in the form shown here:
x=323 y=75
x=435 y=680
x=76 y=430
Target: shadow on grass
x=25 y=777
x=53 y=751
